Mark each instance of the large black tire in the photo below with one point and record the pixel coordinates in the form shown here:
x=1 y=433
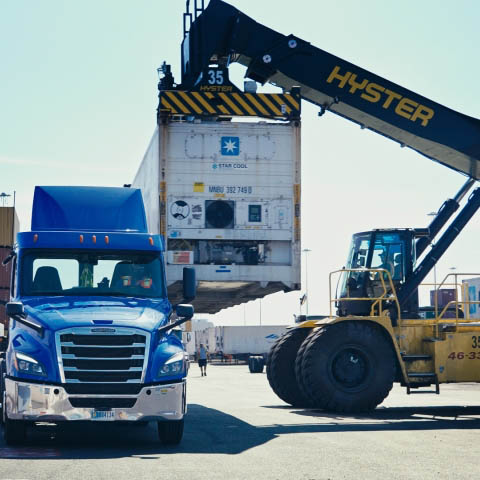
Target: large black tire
x=170 y=432
x=281 y=368
x=298 y=367
x=348 y=367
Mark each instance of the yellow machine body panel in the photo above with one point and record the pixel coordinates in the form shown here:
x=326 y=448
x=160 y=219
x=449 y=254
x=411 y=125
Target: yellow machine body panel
x=457 y=357
x=421 y=347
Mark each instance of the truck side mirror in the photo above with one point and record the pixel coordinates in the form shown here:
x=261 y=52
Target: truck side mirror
x=184 y=311
x=15 y=309
x=189 y=284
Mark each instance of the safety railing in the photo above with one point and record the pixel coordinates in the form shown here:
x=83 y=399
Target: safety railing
x=461 y=305
x=386 y=294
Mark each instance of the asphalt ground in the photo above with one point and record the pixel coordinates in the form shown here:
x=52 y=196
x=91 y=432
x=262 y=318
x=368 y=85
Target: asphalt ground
x=236 y=428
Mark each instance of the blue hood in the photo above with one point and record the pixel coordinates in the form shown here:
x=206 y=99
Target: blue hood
x=56 y=313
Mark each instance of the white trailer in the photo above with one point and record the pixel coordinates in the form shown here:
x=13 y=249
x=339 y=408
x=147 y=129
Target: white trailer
x=242 y=341
x=188 y=339
x=226 y=198
x=207 y=338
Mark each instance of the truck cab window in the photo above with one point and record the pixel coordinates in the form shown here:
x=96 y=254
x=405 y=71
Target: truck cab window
x=95 y=273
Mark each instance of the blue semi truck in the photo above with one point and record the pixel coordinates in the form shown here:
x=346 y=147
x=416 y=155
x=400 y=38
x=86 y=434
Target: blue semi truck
x=91 y=334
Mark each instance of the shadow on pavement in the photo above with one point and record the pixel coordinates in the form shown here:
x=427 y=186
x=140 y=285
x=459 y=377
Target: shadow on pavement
x=394 y=418
x=206 y=431
x=210 y=431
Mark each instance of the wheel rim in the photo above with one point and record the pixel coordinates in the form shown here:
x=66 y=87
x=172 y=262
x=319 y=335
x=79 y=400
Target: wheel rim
x=350 y=368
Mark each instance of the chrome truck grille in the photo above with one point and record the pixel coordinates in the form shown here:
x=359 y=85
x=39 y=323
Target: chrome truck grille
x=101 y=360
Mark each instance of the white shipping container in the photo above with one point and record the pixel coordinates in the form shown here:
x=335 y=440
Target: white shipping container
x=228 y=193
x=244 y=340
x=472 y=292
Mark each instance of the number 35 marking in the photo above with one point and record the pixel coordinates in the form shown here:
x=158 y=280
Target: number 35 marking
x=475 y=342
x=215 y=77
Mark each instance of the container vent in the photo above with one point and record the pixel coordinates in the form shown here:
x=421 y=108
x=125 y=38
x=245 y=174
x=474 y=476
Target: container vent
x=219 y=214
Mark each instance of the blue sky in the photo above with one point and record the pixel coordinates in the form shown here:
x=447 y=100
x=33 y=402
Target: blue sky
x=78 y=99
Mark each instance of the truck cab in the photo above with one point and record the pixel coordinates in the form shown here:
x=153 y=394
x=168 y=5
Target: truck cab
x=90 y=334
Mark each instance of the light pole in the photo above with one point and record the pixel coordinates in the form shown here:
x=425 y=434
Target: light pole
x=434 y=214
x=3 y=197
x=306 y=251
x=452 y=269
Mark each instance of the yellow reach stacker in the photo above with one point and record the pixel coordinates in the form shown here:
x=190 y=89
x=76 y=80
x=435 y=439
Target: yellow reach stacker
x=348 y=361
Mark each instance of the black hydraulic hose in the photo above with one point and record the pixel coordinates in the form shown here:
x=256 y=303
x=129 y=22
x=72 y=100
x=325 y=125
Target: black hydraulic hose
x=449 y=207
x=223 y=32
x=439 y=248
x=445 y=212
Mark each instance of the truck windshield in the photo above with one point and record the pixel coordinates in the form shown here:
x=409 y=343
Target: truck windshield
x=126 y=274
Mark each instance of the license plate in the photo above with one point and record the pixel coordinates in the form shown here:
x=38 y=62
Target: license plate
x=103 y=415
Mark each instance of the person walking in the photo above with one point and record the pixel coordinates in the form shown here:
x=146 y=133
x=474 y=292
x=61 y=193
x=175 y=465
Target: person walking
x=202 y=359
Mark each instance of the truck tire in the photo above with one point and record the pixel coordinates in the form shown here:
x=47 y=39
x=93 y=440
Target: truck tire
x=2 y=387
x=348 y=367
x=281 y=368
x=14 y=431
x=170 y=432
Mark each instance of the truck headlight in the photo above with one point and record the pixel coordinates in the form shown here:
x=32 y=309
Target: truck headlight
x=24 y=363
x=173 y=366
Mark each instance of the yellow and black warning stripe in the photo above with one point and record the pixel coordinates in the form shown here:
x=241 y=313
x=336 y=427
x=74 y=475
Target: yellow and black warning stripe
x=269 y=105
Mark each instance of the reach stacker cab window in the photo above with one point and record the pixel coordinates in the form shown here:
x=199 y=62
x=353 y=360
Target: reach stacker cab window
x=391 y=250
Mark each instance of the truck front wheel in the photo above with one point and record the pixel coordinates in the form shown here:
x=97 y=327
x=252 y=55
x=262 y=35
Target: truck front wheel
x=170 y=432
x=2 y=387
x=348 y=367
x=14 y=431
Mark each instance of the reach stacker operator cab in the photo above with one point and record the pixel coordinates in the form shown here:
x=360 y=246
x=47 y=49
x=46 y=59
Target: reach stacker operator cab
x=374 y=258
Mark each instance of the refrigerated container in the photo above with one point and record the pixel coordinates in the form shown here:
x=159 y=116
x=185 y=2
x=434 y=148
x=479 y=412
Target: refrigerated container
x=226 y=198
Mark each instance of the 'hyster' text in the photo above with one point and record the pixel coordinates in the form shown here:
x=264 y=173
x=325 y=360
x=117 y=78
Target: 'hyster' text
x=372 y=92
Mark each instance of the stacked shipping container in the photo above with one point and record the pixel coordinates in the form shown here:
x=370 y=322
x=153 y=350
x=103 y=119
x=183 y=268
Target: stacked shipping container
x=444 y=296
x=9 y=226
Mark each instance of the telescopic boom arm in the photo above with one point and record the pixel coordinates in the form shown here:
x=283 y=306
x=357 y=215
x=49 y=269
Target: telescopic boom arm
x=221 y=34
